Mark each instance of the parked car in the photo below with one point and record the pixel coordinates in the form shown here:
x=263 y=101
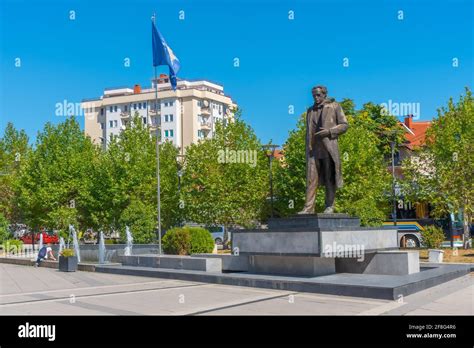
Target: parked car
x=217 y=233
x=49 y=237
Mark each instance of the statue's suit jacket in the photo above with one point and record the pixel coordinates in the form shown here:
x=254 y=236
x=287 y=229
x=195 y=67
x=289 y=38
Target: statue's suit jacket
x=335 y=121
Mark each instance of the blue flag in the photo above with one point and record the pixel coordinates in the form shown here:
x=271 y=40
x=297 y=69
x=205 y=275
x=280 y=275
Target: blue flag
x=163 y=54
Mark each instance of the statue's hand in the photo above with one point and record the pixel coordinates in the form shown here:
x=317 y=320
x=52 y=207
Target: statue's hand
x=322 y=133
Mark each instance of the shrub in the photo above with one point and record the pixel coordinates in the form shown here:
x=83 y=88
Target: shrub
x=67 y=253
x=432 y=236
x=177 y=241
x=201 y=240
x=187 y=240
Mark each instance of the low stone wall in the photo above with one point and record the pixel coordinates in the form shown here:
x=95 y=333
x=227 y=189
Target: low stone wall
x=87 y=267
x=90 y=252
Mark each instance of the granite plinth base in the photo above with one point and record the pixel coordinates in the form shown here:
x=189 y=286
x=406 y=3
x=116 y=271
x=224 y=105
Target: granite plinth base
x=319 y=235
x=311 y=245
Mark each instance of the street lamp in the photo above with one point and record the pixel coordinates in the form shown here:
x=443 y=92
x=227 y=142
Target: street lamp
x=270 y=148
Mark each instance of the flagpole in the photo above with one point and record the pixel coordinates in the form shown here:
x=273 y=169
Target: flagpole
x=158 y=136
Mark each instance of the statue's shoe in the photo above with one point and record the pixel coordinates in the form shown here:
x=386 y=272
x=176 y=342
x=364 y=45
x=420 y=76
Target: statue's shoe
x=305 y=212
x=329 y=210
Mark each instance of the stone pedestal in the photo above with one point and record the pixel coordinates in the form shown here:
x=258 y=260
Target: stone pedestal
x=320 y=244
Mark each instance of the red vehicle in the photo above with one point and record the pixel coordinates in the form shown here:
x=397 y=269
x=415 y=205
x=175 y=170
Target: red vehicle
x=48 y=237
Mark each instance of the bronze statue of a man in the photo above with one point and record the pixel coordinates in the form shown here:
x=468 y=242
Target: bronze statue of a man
x=325 y=121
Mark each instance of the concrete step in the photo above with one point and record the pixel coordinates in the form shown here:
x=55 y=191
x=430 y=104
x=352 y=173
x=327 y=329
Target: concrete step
x=344 y=284
x=173 y=262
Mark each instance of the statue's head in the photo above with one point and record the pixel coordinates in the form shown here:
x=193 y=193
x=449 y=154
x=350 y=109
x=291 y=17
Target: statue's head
x=319 y=94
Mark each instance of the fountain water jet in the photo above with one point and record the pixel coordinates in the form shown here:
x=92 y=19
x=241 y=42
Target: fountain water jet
x=75 y=242
x=101 y=248
x=62 y=245
x=128 y=248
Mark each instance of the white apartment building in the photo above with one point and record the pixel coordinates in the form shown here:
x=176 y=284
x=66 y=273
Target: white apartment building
x=186 y=115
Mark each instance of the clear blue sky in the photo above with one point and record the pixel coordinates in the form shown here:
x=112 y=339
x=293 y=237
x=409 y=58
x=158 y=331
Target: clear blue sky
x=407 y=60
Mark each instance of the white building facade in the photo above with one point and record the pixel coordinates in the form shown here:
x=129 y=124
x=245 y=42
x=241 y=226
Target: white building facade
x=186 y=115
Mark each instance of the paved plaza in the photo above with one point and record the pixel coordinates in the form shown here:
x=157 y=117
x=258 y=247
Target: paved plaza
x=27 y=290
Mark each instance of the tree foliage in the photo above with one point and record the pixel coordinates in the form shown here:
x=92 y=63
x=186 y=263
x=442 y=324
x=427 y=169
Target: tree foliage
x=441 y=172
x=125 y=190
x=53 y=184
x=14 y=151
x=218 y=187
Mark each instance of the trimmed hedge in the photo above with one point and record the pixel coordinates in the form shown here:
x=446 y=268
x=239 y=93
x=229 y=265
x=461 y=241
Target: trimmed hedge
x=187 y=240
x=177 y=241
x=201 y=240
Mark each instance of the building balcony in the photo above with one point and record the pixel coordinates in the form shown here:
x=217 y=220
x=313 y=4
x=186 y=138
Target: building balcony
x=205 y=111
x=154 y=112
x=205 y=126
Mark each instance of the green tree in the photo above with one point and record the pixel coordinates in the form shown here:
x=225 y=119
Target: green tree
x=225 y=178
x=4 y=231
x=126 y=184
x=366 y=180
x=14 y=150
x=375 y=119
x=290 y=176
x=441 y=173
x=141 y=219
x=53 y=184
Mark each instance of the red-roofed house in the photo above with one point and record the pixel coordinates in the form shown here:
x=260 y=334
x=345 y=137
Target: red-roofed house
x=415 y=137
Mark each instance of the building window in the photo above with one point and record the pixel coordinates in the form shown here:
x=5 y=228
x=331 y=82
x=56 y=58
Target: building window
x=125 y=108
x=111 y=108
x=102 y=126
x=111 y=124
x=171 y=133
x=171 y=118
x=139 y=105
x=166 y=133
x=144 y=105
x=144 y=120
x=166 y=118
x=171 y=103
x=135 y=106
x=200 y=103
x=102 y=112
x=115 y=108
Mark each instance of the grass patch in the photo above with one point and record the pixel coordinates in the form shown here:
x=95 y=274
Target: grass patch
x=451 y=255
